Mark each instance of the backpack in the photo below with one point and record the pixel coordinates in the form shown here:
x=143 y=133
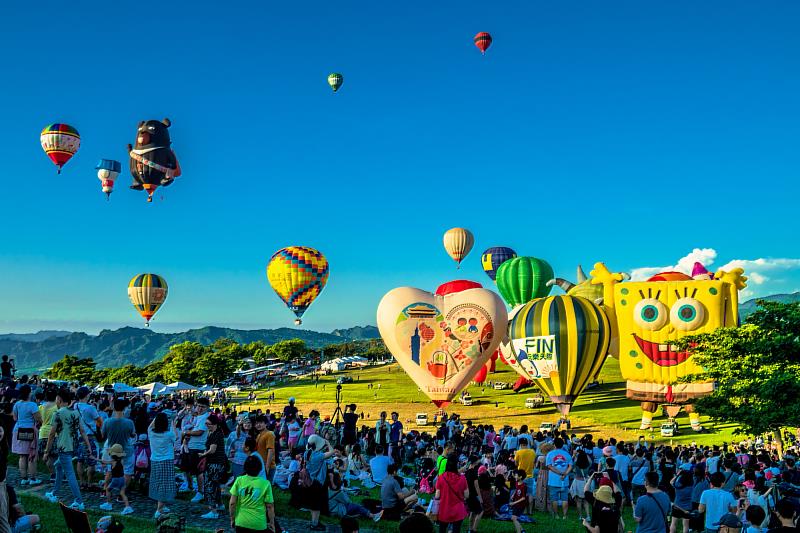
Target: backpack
x=303 y=477
x=582 y=460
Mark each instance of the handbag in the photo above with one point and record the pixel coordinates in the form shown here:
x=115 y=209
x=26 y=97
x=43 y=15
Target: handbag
x=433 y=509
x=26 y=434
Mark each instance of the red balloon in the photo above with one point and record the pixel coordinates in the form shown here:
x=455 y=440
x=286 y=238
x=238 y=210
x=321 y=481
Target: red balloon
x=480 y=377
x=493 y=361
x=457 y=285
x=483 y=41
x=521 y=383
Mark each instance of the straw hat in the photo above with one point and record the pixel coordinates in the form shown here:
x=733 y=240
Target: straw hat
x=604 y=494
x=116 y=450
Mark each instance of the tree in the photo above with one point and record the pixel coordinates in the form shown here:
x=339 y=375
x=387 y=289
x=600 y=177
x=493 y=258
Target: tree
x=181 y=359
x=128 y=374
x=71 y=368
x=214 y=367
x=756 y=369
x=288 y=350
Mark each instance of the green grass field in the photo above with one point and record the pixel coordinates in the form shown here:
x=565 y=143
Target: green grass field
x=603 y=410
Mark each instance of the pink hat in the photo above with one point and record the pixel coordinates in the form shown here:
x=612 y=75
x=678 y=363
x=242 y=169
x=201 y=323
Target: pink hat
x=482 y=470
x=608 y=451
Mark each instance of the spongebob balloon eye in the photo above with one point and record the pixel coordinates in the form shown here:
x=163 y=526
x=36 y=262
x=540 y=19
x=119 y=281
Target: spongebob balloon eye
x=687 y=314
x=650 y=314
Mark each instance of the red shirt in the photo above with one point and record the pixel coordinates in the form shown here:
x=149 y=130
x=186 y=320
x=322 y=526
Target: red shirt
x=451 y=489
x=520 y=492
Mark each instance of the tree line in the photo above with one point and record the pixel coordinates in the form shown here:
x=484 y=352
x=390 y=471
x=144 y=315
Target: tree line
x=198 y=364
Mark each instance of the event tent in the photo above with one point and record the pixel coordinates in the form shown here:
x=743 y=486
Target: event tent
x=180 y=386
x=153 y=389
x=119 y=388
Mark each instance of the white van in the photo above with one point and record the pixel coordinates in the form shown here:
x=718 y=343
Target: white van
x=668 y=429
x=533 y=402
x=466 y=399
x=500 y=385
x=422 y=419
x=546 y=426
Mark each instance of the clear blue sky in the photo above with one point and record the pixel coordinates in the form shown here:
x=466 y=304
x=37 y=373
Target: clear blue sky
x=630 y=132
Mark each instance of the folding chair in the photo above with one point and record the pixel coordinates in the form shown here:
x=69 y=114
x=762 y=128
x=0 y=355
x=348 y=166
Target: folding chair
x=77 y=521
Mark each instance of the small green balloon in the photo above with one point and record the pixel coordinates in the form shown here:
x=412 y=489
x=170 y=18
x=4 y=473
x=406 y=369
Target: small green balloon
x=335 y=80
x=523 y=279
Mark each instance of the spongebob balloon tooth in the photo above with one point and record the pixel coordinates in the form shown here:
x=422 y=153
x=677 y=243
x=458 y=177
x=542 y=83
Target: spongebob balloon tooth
x=647 y=317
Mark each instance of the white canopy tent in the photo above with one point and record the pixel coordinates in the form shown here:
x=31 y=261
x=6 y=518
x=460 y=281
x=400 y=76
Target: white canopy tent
x=153 y=389
x=119 y=388
x=180 y=386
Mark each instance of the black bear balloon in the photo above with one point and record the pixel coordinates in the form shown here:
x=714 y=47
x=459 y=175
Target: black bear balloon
x=153 y=162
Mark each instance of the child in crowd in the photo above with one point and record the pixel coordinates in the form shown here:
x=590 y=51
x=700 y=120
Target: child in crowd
x=519 y=499
x=115 y=479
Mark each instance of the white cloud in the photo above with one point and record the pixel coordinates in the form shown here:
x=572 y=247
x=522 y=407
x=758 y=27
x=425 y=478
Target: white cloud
x=765 y=275
x=706 y=256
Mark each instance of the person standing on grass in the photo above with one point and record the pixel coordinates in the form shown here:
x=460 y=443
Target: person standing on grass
x=559 y=465
x=66 y=428
x=382 y=433
x=265 y=445
x=46 y=412
x=652 y=508
x=162 y=463
x=115 y=480
x=120 y=430
x=216 y=466
x=395 y=436
x=252 y=505
x=716 y=502
x=195 y=439
x=518 y=500
x=24 y=442
x=451 y=491
x=92 y=424
x=316 y=496
x=475 y=498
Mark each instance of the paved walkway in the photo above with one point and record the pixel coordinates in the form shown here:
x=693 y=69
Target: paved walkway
x=145 y=507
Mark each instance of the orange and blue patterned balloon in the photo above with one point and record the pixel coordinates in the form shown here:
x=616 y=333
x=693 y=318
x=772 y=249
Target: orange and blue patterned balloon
x=297 y=274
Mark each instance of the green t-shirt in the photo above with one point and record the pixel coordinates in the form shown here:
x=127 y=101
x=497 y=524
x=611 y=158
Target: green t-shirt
x=68 y=423
x=47 y=412
x=252 y=495
x=441 y=464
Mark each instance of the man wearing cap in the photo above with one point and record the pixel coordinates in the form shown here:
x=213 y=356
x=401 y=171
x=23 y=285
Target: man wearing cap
x=195 y=439
x=92 y=424
x=716 y=502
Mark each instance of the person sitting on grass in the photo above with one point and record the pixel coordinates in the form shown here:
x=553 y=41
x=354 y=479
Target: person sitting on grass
x=519 y=499
x=115 y=479
x=339 y=503
x=19 y=521
x=393 y=498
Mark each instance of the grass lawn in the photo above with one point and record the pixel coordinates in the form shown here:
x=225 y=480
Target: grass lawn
x=603 y=410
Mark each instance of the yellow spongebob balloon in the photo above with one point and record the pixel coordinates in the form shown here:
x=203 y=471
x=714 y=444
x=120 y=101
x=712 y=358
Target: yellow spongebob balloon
x=649 y=316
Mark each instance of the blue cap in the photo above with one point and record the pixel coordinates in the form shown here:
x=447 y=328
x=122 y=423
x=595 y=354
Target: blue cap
x=109 y=164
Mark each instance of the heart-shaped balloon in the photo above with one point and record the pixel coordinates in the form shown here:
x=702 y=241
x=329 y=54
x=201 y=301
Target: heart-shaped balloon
x=441 y=341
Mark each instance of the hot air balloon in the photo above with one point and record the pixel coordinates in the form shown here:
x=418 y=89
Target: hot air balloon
x=152 y=161
x=560 y=343
x=107 y=172
x=458 y=242
x=335 y=80
x=147 y=293
x=493 y=257
x=483 y=41
x=60 y=142
x=297 y=274
x=522 y=279
x=441 y=340
x=456 y=285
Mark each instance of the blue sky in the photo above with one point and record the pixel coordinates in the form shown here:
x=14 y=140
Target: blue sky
x=627 y=132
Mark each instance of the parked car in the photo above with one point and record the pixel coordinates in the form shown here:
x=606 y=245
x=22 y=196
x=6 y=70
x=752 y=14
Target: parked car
x=546 y=426
x=466 y=399
x=534 y=402
x=500 y=385
x=669 y=429
x=344 y=379
x=422 y=419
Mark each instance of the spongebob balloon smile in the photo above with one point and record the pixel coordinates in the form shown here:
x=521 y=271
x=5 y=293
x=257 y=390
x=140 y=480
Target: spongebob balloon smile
x=648 y=317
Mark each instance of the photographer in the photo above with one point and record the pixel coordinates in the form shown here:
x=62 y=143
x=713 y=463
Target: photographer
x=606 y=504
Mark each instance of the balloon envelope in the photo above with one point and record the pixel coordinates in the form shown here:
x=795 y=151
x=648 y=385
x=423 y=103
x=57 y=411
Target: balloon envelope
x=457 y=285
x=147 y=293
x=297 y=274
x=458 y=242
x=335 y=80
x=60 y=142
x=483 y=41
x=493 y=257
x=560 y=343
x=442 y=342
x=522 y=279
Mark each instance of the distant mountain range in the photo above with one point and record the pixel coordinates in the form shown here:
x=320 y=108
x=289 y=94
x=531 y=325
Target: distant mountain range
x=37 y=351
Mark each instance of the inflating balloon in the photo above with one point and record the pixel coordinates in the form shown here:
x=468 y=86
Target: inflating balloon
x=483 y=41
x=494 y=257
x=457 y=285
x=649 y=316
x=583 y=287
x=297 y=274
x=560 y=343
x=335 y=80
x=522 y=279
x=60 y=142
x=147 y=293
x=107 y=172
x=152 y=161
x=442 y=342
x=458 y=242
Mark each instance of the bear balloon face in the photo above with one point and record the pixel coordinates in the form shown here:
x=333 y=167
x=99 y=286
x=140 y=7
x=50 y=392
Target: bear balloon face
x=652 y=315
x=153 y=134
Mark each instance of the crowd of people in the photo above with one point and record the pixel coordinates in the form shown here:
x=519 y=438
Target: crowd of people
x=455 y=476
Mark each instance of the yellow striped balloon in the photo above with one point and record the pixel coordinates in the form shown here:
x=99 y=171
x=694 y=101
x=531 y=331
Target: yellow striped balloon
x=147 y=293
x=561 y=342
x=297 y=274
x=458 y=243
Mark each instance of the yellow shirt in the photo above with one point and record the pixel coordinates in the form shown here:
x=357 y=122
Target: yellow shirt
x=47 y=412
x=525 y=459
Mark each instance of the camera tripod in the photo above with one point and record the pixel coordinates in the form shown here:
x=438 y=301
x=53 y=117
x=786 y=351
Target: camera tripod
x=338 y=417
